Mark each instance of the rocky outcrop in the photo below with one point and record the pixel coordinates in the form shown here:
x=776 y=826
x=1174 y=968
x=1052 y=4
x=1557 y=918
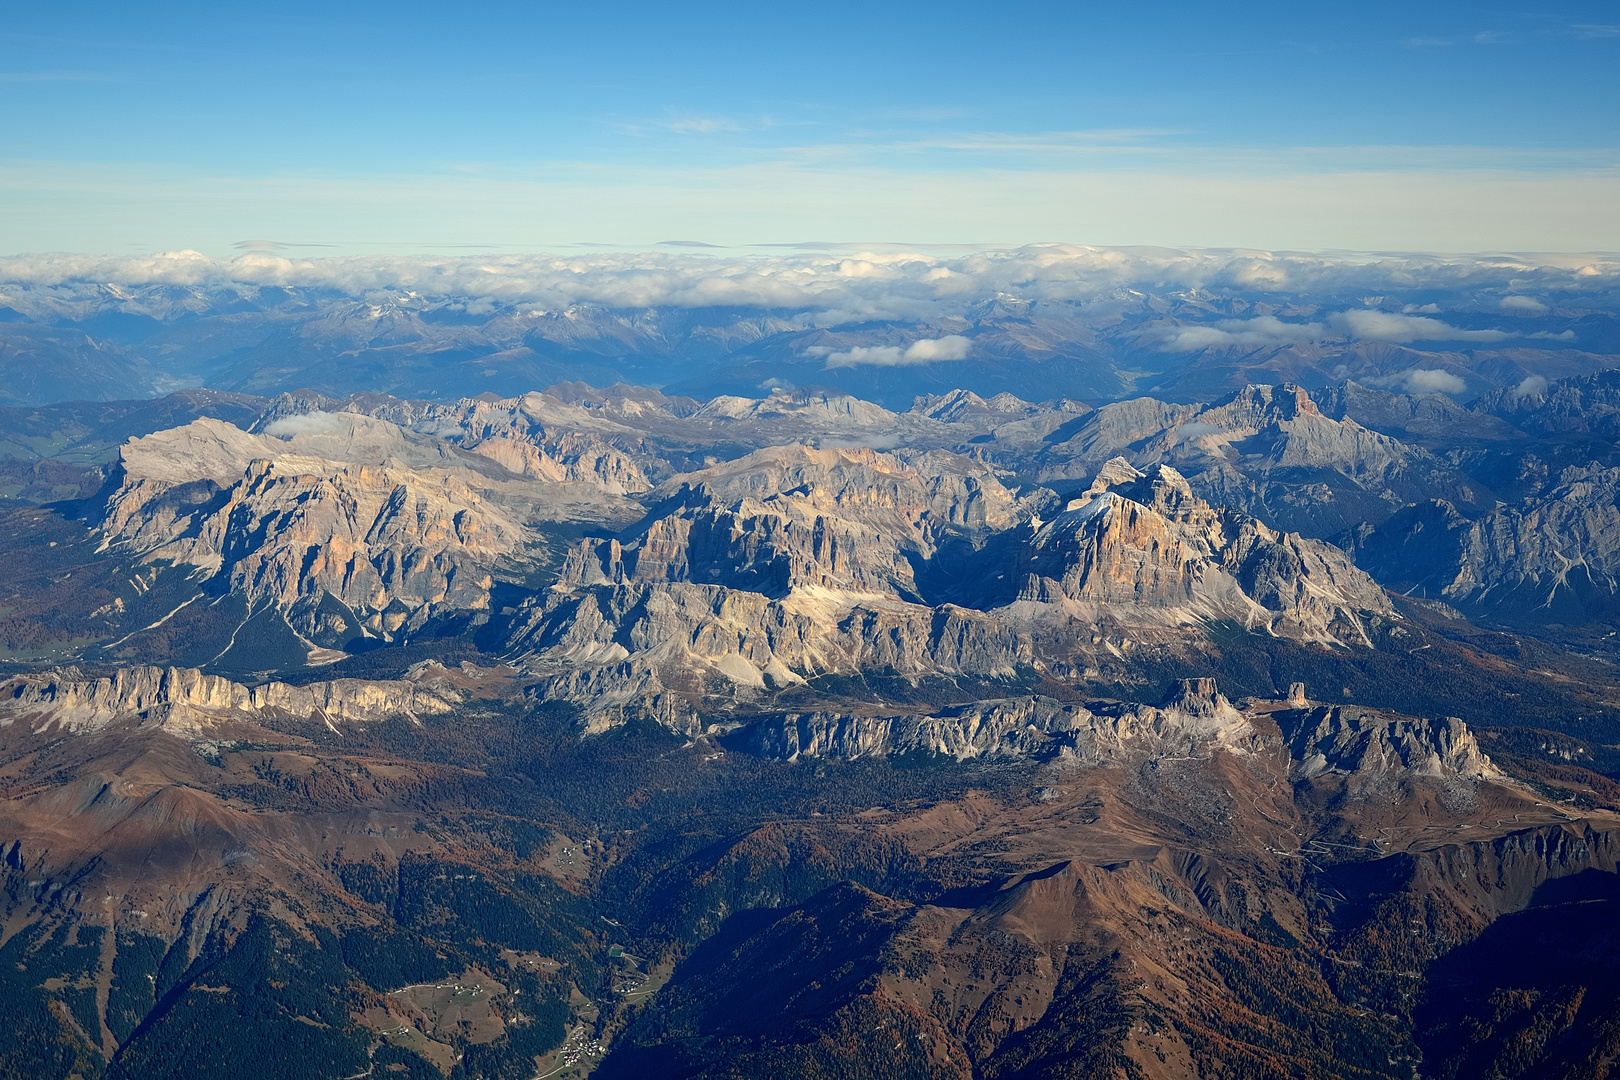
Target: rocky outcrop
x=1196 y=720
x=756 y=574
x=538 y=435
x=1350 y=739
x=567 y=459
x=615 y=648
x=626 y=439
x=1583 y=405
x=186 y=699
x=1022 y=727
x=1432 y=420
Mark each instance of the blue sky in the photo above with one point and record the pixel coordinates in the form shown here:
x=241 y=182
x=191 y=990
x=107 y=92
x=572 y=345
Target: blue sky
x=538 y=126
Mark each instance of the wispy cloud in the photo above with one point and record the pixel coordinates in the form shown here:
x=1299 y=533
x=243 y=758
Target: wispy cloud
x=1428 y=42
x=313 y=423
x=1492 y=37
x=1405 y=329
x=1046 y=142
x=1596 y=30
x=274 y=245
x=1361 y=325
x=1532 y=386
x=699 y=125
x=1253 y=333
x=924 y=116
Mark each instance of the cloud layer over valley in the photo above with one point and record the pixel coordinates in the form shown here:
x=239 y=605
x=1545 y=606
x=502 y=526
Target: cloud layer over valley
x=1037 y=321
x=877 y=283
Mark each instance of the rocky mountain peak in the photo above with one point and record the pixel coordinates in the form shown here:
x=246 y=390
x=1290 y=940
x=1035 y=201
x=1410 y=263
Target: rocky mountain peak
x=1145 y=543
x=1198 y=696
x=1259 y=404
x=1115 y=472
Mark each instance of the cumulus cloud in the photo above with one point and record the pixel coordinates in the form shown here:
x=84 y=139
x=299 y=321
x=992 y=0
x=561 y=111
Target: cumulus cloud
x=1532 y=386
x=1259 y=331
x=922 y=351
x=310 y=423
x=1433 y=380
x=1529 y=305
x=1404 y=329
x=1194 y=430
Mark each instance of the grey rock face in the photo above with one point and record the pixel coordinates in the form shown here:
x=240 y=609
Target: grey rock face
x=1145 y=543
x=794 y=517
x=1587 y=404
x=1350 y=739
x=1266 y=450
x=613 y=647
x=1199 y=721
x=794 y=562
x=1554 y=557
x=185 y=700
x=393 y=527
x=1431 y=420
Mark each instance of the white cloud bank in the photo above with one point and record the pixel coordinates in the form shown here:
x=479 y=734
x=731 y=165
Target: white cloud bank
x=850 y=286
x=1038 y=271
x=922 y=351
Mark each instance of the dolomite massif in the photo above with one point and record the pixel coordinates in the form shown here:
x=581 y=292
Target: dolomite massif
x=1155 y=739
